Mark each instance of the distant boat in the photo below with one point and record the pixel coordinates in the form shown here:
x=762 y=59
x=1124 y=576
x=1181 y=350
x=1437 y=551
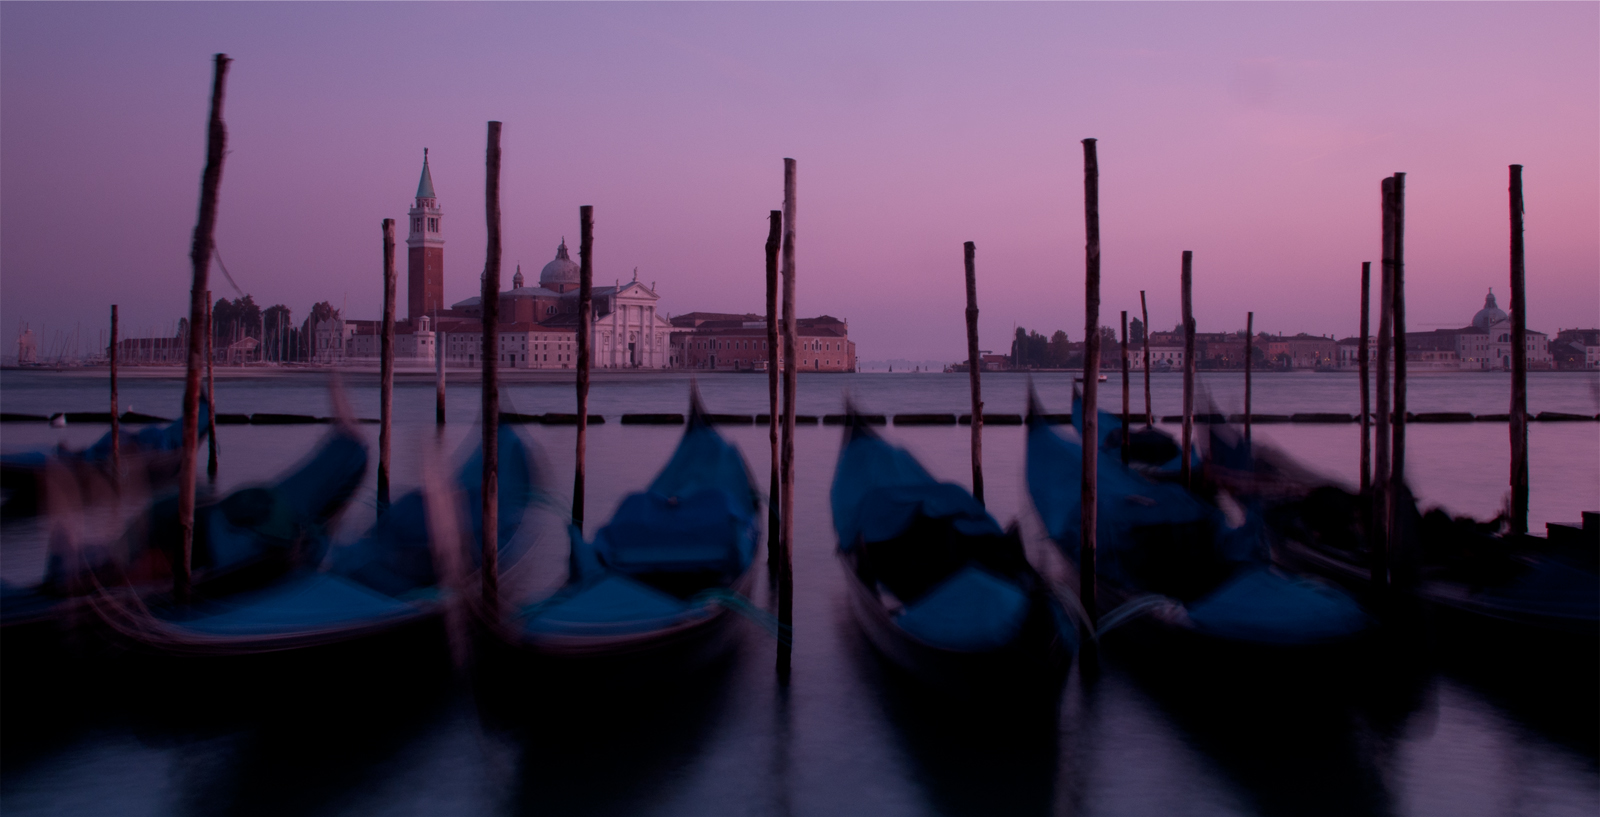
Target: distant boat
x=1080 y=380
x=936 y=585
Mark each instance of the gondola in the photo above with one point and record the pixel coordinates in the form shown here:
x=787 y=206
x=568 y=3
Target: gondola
x=266 y=581
x=1178 y=576
x=652 y=597
x=937 y=586
x=1484 y=590
x=150 y=456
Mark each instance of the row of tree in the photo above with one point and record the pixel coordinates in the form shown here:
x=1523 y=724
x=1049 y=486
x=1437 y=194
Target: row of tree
x=273 y=328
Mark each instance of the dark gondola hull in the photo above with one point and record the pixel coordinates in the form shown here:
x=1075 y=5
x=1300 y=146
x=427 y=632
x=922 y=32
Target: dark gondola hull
x=1025 y=672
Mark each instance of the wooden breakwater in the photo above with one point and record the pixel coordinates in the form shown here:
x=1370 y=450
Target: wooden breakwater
x=914 y=419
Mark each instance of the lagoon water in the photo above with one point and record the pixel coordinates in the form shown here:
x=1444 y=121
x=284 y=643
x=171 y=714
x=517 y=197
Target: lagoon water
x=848 y=736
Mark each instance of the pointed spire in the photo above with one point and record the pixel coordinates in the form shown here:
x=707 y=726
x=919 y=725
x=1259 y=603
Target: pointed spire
x=1488 y=303
x=425 y=186
x=561 y=251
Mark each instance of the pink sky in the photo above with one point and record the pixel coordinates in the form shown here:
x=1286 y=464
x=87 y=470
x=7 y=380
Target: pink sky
x=1255 y=134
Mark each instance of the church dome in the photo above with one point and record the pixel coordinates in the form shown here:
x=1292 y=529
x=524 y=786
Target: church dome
x=1488 y=316
x=560 y=271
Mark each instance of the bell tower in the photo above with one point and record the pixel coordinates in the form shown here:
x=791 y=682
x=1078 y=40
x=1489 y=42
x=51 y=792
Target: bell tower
x=425 y=251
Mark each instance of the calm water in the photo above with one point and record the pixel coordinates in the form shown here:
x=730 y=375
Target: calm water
x=847 y=737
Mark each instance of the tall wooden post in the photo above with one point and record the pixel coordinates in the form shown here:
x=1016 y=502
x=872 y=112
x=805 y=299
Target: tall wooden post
x=1249 y=366
x=1144 y=315
x=200 y=258
x=1519 y=364
x=585 y=333
x=1363 y=352
x=774 y=483
x=1379 y=533
x=116 y=419
x=439 y=342
x=1127 y=434
x=1186 y=283
x=1397 y=450
x=386 y=366
x=211 y=389
x=1090 y=497
x=491 y=382
x=786 y=454
x=974 y=366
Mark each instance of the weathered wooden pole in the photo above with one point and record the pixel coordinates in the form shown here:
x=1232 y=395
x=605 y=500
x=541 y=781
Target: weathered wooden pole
x=1144 y=315
x=1090 y=498
x=1186 y=283
x=386 y=366
x=1127 y=434
x=974 y=366
x=200 y=259
x=585 y=320
x=1362 y=351
x=1249 y=365
x=786 y=454
x=1519 y=364
x=116 y=420
x=774 y=483
x=1397 y=450
x=211 y=389
x=491 y=382
x=1379 y=533
x=439 y=342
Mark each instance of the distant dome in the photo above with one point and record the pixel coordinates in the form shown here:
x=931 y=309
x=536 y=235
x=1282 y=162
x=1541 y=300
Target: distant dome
x=1488 y=316
x=560 y=271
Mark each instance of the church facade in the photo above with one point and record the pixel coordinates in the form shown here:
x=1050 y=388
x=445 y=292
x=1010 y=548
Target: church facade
x=1482 y=345
x=536 y=326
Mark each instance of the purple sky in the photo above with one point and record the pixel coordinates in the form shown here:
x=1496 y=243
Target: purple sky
x=1254 y=134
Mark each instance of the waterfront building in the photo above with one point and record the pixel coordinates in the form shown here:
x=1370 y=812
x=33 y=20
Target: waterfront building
x=414 y=341
x=732 y=343
x=1301 y=351
x=27 y=348
x=1576 y=349
x=626 y=332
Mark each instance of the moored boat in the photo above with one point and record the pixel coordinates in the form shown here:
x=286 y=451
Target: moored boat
x=937 y=586
x=1178 y=578
x=652 y=596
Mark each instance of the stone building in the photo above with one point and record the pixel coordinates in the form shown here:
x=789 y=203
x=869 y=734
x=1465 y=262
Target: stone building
x=734 y=343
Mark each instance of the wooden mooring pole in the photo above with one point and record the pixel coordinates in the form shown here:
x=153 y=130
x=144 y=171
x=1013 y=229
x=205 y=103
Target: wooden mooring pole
x=585 y=330
x=439 y=344
x=1379 y=534
x=1394 y=541
x=200 y=259
x=1090 y=498
x=786 y=454
x=211 y=390
x=1186 y=283
x=1127 y=434
x=974 y=366
x=774 y=482
x=386 y=366
x=1249 y=366
x=116 y=419
x=1519 y=364
x=491 y=383
x=1363 y=352
x=1144 y=316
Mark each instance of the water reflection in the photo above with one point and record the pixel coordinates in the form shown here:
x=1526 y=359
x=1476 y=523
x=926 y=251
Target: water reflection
x=969 y=757
x=615 y=752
